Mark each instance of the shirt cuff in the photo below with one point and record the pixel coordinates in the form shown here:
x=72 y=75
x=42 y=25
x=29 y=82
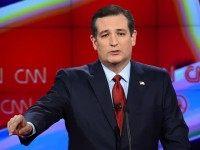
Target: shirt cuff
x=33 y=131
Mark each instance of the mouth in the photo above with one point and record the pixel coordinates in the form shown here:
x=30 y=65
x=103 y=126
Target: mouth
x=114 y=52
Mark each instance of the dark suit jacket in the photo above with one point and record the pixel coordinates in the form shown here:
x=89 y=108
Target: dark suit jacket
x=81 y=96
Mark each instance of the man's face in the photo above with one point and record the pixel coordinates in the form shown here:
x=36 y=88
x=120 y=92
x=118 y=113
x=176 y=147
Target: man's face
x=113 y=41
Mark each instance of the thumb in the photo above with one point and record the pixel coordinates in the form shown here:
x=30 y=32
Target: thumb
x=25 y=130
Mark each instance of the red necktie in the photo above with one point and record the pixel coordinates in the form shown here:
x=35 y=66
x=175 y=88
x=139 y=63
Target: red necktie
x=119 y=100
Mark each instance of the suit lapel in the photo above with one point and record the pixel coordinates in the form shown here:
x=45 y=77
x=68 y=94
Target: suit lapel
x=100 y=86
x=137 y=87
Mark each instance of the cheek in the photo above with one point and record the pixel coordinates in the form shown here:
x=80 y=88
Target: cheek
x=128 y=47
x=102 y=53
x=102 y=49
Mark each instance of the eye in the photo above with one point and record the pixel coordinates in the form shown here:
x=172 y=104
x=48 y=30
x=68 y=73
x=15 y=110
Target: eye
x=104 y=35
x=121 y=34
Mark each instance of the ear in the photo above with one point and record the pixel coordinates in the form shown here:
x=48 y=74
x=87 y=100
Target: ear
x=94 y=42
x=134 y=35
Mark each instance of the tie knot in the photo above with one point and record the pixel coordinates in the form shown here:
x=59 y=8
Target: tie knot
x=117 y=78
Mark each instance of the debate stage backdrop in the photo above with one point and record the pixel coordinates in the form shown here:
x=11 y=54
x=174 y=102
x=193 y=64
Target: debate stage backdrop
x=38 y=37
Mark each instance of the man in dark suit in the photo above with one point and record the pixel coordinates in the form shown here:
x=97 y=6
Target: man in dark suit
x=114 y=103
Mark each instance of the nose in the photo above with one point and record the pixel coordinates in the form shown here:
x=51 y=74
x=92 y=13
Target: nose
x=113 y=41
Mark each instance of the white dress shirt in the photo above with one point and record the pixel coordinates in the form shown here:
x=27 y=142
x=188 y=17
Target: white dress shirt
x=125 y=74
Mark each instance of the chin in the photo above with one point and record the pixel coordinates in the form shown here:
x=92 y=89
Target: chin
x=115 y=61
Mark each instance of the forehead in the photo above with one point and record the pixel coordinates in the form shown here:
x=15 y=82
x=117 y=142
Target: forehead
x=112 y=23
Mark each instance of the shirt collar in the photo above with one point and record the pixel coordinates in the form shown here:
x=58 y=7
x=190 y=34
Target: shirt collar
x=125 y=73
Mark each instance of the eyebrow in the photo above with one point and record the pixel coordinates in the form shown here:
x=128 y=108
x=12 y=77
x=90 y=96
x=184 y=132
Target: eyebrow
x=122 y=30
x=106 y=31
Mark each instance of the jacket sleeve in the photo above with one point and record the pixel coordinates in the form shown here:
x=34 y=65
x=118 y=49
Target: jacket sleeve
x=174 y=135
x=48 y=109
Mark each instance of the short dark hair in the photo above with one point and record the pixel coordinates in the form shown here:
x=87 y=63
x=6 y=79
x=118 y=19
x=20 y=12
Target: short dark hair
x=112 y=10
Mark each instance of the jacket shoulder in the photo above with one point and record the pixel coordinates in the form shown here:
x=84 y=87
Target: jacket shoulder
x=75 y=72
x=150 y=72
x=145 y=68
x=79 y=69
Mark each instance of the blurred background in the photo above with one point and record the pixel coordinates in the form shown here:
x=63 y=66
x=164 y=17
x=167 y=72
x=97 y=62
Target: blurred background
x=38 y=37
